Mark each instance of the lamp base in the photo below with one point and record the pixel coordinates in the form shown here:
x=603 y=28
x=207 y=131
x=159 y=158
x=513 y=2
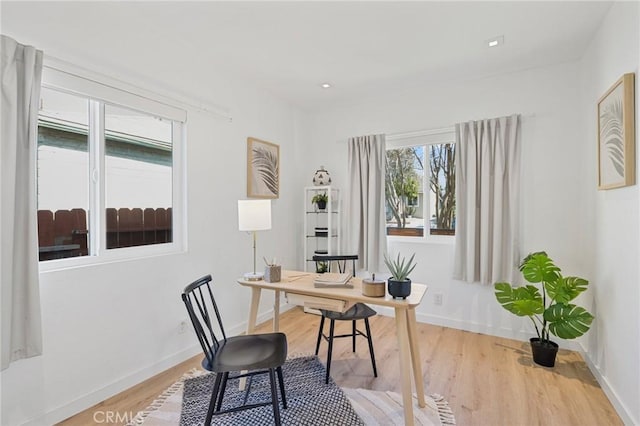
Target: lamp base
x=253 y=276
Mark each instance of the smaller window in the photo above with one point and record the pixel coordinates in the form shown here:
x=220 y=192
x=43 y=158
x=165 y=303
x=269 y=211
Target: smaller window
x=420 y=189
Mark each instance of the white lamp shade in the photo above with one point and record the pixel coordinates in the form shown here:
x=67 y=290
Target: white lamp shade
x=254 y=215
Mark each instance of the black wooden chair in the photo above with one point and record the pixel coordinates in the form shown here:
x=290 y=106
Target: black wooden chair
x=256 y=353
x=359 y=311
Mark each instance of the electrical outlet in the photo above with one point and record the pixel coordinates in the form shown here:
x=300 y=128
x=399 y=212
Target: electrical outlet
x=183 y=326
x=437 y=299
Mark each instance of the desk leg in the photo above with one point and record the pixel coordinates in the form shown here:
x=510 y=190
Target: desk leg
x=251 y=323
x=415 y=356
x=253 y=310
x=276 y=312
x=403 y=345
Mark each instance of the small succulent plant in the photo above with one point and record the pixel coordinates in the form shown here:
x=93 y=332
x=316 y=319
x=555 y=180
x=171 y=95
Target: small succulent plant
x=400 y=268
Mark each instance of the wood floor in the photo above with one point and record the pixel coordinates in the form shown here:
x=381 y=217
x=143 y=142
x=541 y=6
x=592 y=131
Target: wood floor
x=487 y=380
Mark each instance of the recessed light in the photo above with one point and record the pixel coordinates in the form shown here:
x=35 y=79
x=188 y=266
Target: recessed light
x=325 y=85
x=495 y=41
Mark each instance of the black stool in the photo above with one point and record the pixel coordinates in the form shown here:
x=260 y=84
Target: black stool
x=359 y=311
x=356 y=312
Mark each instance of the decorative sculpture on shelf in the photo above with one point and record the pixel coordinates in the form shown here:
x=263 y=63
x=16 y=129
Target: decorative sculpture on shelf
x=321 y=177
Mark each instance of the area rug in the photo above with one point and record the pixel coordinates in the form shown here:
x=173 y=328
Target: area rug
x=306 y=391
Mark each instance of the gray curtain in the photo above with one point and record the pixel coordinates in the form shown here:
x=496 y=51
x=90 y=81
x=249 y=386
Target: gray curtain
x=365 y=212
x=20 y=294
x=487 y=200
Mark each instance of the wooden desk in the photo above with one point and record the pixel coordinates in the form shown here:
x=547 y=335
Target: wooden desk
x=301 y=283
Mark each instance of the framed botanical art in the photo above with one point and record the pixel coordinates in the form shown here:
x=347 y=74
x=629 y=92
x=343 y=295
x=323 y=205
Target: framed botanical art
x=616 y=135
x=263 y=169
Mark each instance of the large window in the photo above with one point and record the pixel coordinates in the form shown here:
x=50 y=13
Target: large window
x=107 y=174
x=420 y=186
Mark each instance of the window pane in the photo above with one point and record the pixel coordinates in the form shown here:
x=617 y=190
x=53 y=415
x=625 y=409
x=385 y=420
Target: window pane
x=138 y=173
x=63 y=171
x=442 y=183
x=404 y=191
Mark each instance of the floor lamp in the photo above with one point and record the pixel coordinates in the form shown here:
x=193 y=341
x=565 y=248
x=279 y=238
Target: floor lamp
x=254 y=215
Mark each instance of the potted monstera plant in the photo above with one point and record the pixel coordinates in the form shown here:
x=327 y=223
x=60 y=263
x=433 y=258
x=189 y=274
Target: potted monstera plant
x=550 y=310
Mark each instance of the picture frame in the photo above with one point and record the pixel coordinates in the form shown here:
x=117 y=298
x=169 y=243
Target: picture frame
x=263 y=169
x=616 y=135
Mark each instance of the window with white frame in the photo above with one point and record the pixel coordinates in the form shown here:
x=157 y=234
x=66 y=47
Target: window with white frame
x=420 y=184
x=108 y=171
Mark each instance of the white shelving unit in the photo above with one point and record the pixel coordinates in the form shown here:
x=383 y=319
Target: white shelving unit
x=315 y=218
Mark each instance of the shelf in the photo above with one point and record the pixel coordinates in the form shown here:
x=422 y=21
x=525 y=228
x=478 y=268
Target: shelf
x=328 y=219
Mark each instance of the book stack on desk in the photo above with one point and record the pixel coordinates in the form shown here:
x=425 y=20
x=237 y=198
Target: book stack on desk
x=332 y=280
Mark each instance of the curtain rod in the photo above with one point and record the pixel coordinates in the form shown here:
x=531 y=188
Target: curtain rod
x=418 y=133
x=69 y=68
x=438 y=131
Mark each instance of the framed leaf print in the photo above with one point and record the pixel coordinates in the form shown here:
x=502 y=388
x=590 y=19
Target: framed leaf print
x=263 y=169
x=616 y=135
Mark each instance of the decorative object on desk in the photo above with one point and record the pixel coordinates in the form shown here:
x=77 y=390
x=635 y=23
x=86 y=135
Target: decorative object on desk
x=321 y=231
x=263 y=169
x=372 y=287
x=254 y=215
x=339 y=280
x=399 y=285
x=320 y=200
x=550 y=311
x=272 y=271
x=321 y=177
x=616 y=135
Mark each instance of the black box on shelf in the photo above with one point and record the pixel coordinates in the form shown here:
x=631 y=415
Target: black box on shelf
x=321 y=232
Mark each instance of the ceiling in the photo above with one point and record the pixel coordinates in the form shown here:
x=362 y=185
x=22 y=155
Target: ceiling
x=363 y=48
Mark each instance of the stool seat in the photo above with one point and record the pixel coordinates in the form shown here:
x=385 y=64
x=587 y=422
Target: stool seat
x=358 y=311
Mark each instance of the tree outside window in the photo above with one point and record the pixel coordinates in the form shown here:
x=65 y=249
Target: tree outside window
x=407 y=204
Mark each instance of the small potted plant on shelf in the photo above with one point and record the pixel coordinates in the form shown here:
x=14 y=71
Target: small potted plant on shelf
x=322 y=266
x=320 y=200
x=399 y=285
x=550 y=311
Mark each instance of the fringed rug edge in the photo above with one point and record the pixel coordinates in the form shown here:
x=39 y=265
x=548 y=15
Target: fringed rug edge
x=444 y=410
x=157 y=403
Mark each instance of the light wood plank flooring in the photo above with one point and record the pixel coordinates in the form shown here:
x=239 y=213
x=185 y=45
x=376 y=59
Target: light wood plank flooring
x=487 y=380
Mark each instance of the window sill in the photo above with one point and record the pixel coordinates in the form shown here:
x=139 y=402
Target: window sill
x=118 y=255
x=430 y=239
x=416 y=235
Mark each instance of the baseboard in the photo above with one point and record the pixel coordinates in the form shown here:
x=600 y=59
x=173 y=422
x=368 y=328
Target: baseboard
x=61 y=413
x=105 y=392
x=620 y=408
x=573 y=345
x=74 y=407
x=475 y=327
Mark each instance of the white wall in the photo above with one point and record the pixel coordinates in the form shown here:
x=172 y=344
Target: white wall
x=108 y=327
x=589 y=233
x=552 y=188
x=613 y=347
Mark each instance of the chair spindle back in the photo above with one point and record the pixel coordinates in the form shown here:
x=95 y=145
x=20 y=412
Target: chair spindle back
x=200 y=303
